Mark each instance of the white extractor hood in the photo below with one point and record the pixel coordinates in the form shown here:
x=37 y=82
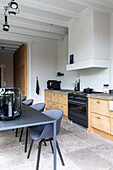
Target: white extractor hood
x=93 y=63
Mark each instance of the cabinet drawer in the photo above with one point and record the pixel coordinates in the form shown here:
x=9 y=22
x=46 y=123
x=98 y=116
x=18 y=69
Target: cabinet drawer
x=55 y=97
x=64 y=109
x=100 y=106
x=48 y=95
x=100 y=122
x=63 y=99
x=49 y=104
x=55 y=105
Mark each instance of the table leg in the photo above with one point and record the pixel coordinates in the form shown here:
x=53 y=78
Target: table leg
x=54 y=135
x=26 y=139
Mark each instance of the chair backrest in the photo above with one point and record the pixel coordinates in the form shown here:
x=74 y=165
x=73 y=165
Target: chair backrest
x=28 y=102
x=23 y=98
x=57 y=115
x=38 y=106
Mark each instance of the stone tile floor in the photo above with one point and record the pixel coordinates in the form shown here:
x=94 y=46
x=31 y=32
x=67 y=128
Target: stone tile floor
x=81 y=151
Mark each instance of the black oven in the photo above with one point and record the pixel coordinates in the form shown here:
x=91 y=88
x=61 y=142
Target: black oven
x=78 y=108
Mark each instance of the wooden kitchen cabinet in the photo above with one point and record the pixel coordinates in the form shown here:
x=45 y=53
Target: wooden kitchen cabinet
x=57 y=101
x=100 y=118
x=100 y=122
x=100 y=106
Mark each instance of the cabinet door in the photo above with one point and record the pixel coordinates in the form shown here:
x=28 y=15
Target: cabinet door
x=100 y=106
x=64 y=109
x=100 y=122
x=63 y=99
x=112 y=126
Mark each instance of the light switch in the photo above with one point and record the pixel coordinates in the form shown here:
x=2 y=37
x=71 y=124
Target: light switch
x=111 y=105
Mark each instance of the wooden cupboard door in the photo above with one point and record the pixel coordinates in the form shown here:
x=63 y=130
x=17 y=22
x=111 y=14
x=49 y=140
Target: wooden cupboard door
x=20 y=69
x=100 y=122
x=100 y=107
x=64 y=109
x=63 y=99
x=112 y=126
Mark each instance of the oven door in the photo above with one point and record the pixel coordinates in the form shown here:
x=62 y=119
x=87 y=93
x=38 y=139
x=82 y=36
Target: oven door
x=78 y=113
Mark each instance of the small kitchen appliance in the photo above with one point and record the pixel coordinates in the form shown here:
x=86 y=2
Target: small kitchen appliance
x=53 y=84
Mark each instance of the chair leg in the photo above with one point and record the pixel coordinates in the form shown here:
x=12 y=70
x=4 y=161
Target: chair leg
x=30 y=149
x=16 y=132
x=59 y=152
x=51 y=146
x=26 y=139
x=38 y=157
x=21 y=135
x=45 y=144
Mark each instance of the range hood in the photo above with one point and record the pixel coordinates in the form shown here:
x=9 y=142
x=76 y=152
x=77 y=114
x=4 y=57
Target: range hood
x=92 y=63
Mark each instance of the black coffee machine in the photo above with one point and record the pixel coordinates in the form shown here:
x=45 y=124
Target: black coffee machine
x=53 y=84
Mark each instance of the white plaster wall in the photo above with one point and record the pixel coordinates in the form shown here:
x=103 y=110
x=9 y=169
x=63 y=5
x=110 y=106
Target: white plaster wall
x=69 y=76
x=43 y=65
x=81 y=37
x=94 y=78
x=101 y=35
x=111 y=51
x=7 y=60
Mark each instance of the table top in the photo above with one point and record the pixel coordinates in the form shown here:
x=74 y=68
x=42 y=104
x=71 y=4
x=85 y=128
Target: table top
x=29 y=117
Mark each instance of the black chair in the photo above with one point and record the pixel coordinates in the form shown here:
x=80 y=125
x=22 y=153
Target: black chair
x=44 y=133
x=23 y=98
x=39 y=107
x=28 y=102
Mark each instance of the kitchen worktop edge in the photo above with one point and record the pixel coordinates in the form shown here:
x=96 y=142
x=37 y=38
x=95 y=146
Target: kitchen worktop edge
x=103 y=96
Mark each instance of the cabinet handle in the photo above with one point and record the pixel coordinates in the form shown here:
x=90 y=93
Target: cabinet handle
x=98 y=117
x=98 y=102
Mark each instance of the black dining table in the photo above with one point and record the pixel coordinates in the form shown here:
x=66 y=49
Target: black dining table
x=31 y=117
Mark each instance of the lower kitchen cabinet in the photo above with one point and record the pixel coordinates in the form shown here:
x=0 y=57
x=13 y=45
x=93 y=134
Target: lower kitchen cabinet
x=100 y=118
x=100 y=122
x=57 y=101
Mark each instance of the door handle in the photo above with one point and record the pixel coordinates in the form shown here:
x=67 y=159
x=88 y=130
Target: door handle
x=98 y=117
x=98 y=102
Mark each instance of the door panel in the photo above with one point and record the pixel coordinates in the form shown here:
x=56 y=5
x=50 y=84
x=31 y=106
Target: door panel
x=20 y=69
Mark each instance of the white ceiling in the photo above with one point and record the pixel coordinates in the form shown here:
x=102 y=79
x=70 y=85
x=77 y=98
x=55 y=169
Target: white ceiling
x=47 y=18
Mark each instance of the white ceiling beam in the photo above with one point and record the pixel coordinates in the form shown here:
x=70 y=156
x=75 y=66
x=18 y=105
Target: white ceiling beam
x=48 y=8
x=4 y=36
x=9 y=46
x=94 y=5
x=38 y=27
x=9 y=49
x=6 y=51
x=38 y=18
x=35 y=34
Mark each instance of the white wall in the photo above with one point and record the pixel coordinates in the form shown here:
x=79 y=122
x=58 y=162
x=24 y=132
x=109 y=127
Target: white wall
x=81 y=37
x=43 y=65
x=101 y=35
x=7 y=60
x=111 y=51
x=89 y=38
x=69 y=76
